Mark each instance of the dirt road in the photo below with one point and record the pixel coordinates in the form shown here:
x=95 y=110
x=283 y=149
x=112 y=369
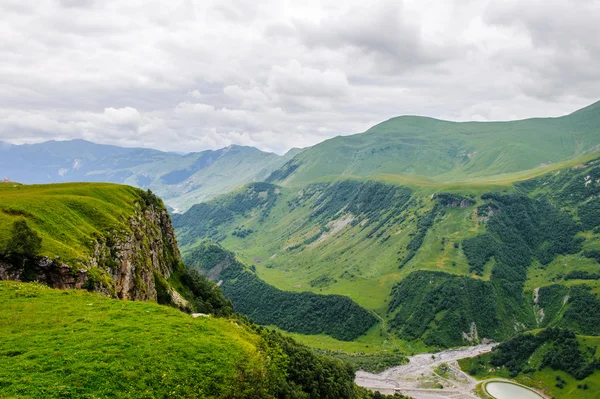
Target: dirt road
x=427 y=376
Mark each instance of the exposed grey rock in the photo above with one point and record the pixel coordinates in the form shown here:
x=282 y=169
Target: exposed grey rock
x=121 y=264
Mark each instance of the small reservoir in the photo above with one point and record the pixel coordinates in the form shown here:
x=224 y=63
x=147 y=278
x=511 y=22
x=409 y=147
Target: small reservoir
x=505 y=390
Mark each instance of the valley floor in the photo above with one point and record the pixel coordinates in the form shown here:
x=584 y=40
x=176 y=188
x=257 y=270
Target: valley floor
x=427 y=376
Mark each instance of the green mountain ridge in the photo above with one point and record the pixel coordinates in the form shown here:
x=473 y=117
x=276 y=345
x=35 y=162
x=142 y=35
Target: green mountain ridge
x=420 y=148
x=448 y=151
x=370 y=240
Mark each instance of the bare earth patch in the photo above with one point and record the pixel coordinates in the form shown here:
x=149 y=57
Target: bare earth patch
x=334 y=227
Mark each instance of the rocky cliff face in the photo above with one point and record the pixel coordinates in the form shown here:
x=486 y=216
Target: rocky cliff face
x=122 y=264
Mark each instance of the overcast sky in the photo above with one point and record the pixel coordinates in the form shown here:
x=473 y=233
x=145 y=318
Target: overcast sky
x=192 y=75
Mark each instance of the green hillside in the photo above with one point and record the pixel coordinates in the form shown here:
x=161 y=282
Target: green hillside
x=558 y=362
x=74 y=344
x=67 y=216
x=445 y=151
x=302 y=312
x=441 y=264
x=108 y=238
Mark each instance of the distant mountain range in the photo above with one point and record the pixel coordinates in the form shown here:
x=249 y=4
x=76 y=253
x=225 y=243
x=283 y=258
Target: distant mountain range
x=403 y=149
x=447 y=249
x=417 y=235
x=180 y=179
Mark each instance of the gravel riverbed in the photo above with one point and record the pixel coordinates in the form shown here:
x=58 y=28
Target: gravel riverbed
x=419 y=379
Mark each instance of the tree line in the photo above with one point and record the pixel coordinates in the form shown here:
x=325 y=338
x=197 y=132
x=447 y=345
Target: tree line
x=303 y=312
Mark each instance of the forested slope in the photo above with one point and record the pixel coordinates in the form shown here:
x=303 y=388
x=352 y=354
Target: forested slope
x=303 y=312
x=441 y=264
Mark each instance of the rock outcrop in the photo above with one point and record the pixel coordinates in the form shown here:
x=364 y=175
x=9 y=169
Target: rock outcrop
x=48 y=271
x=122 y=264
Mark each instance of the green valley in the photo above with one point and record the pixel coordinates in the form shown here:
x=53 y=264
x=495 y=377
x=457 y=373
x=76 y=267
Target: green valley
x=440 y=264
x=465 y=261
x=303 y=312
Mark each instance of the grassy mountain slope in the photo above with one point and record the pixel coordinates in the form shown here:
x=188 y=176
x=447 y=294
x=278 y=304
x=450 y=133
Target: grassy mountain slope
x=181 y=180
x=558 y=362
x=448 y=151
x=371 y=241
x=74 y=344
x=67 y=216
x=109 y=238
x=303 y=312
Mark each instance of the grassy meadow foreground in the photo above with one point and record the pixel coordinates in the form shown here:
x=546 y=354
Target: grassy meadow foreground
x=75 y=344
x=78 y=344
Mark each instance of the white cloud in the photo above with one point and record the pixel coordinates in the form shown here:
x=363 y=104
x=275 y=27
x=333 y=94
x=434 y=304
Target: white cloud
x=128 y=117
x=188 y=75
x=298 y=81
x=189 y=108
x=249 y=98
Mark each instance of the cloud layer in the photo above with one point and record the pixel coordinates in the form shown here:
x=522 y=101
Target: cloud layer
x=193 y=74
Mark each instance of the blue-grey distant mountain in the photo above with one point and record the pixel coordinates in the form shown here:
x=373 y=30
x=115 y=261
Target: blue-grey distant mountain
x=180 y=179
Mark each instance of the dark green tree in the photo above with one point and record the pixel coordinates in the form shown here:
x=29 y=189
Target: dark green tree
x=24 y=242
